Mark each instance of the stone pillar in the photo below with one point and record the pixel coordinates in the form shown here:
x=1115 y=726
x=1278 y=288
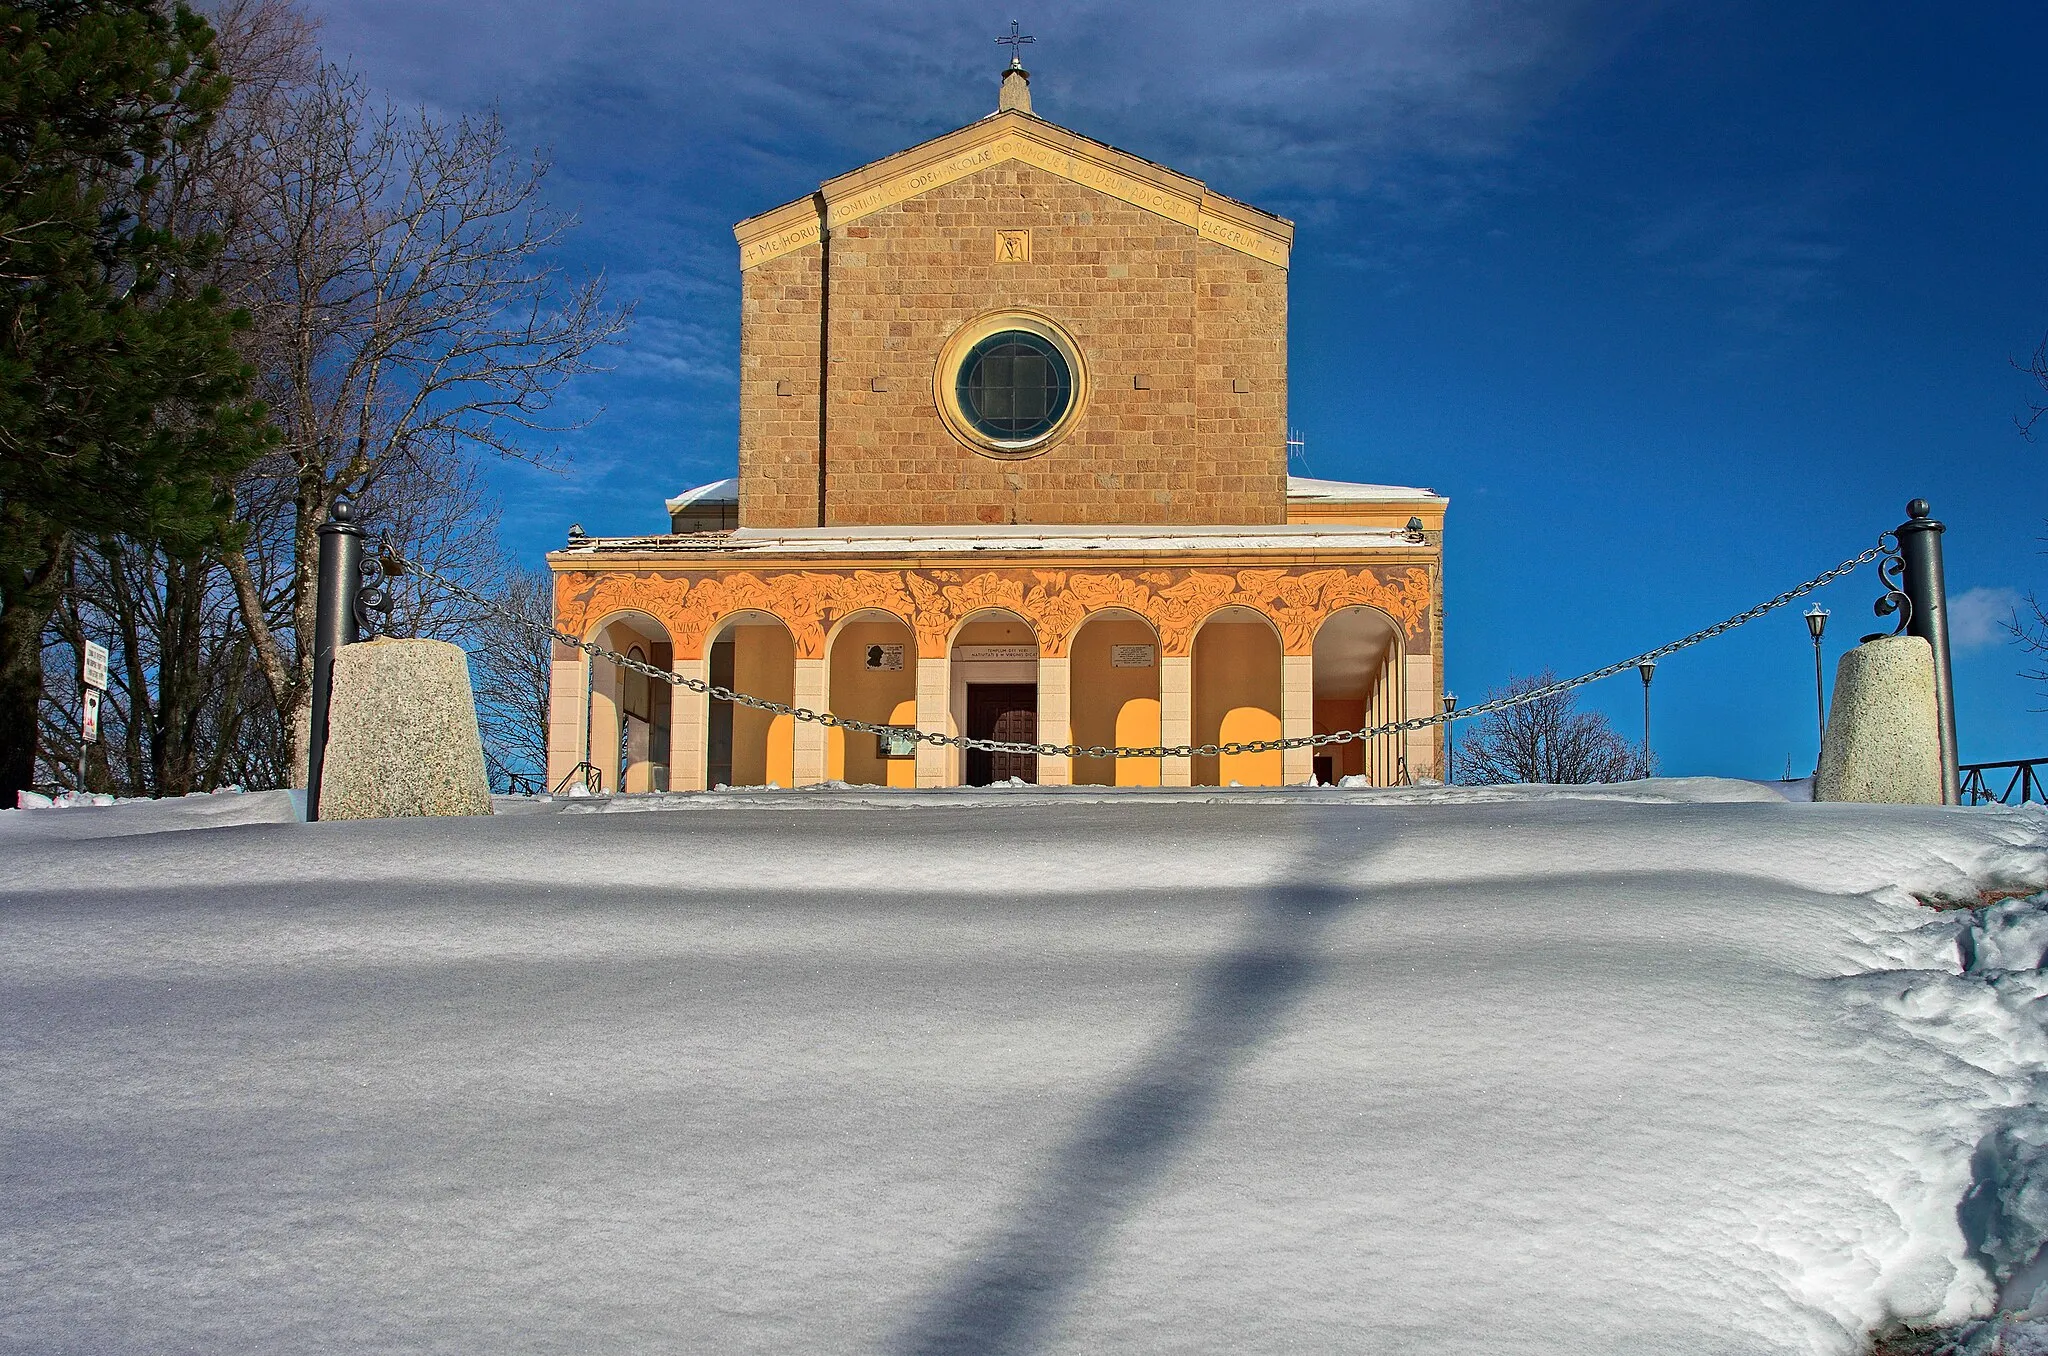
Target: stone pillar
x=568 y=712
x=1381 y=755
x=604 y=719
x=403 y=739
x=934 y=690
x=1297 y=716
x=1883 y=741
x=638 y=776
x=1420 y=698
x=1176 y=716
x=689 y=721
x=1055 y=718
x=808 y=765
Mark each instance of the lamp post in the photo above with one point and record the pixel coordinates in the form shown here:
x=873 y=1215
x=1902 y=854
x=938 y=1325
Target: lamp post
x=1817 y=622
x=1648 y=668
x=1450 y=740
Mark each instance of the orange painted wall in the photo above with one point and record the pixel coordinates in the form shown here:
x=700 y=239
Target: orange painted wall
x=861 y=693
x=1236 y=665
x=1100 y=693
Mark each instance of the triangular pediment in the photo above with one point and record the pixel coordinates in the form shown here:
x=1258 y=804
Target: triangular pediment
x=1030 y=140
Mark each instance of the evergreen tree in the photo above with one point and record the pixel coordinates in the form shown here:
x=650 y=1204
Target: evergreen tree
x=123 y=403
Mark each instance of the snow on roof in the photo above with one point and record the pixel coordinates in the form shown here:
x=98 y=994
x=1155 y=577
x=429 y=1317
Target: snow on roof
x=727 y=491
x=717 y=492
x=1019 y=537
x=1349 y=491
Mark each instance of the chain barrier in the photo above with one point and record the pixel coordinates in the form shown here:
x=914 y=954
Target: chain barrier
x=911 y=733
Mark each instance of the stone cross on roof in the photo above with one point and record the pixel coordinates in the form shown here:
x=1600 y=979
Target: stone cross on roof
x=1015 y=41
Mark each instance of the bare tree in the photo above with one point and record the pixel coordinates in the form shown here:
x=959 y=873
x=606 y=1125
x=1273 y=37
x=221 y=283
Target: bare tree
x=2037 y=368
x=407 y=325
x=509 y=666
x=1546 y=740
x=184 y=709
x=2030 y=626
x=407 y=319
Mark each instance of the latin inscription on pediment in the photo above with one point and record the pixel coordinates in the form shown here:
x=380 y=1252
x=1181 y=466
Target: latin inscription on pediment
x=1130 y=188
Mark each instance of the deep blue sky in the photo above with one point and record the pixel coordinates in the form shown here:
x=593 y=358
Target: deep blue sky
x=1678 y=304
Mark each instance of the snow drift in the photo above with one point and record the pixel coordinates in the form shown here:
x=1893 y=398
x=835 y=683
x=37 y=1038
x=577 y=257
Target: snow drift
x=1679 y=1067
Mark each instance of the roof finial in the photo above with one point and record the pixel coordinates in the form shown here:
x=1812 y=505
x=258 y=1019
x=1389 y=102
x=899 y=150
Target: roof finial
x=1015 y=40
x=1016 y=91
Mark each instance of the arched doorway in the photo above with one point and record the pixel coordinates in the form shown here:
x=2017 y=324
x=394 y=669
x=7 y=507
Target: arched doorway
x=753 y=653
x=628 y=714
x=1114 y=667
x=1357 y=686
x=994 y=665
x=872 y=676
x=1237 y=688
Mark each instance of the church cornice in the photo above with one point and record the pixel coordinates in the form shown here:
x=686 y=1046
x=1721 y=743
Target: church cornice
x=1027 y=139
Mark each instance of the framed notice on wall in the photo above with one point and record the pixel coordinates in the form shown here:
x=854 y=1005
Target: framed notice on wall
x=900 y=742
x=1130 y=656
x=888 y=658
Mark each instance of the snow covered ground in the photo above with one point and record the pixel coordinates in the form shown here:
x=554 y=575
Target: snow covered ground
x=1682 y=1067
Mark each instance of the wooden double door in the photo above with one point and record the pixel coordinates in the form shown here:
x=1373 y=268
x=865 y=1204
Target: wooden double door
x=1005 y=711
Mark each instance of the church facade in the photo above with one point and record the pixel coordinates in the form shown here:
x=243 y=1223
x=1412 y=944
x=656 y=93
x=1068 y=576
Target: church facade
x=1013 y=463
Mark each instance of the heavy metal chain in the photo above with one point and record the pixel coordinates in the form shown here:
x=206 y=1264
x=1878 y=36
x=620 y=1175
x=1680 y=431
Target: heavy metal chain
x=903 y=732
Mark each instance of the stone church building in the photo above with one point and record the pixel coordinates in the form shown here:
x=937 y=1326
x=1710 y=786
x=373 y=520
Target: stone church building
x=1013 y=463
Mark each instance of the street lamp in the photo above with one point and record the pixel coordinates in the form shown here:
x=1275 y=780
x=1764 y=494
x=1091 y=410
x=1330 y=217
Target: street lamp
x=1450 y=740
x=1817 y=622
x=1648 y=668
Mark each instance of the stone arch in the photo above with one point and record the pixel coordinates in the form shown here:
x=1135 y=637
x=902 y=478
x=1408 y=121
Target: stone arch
x=753 y=652
x=627 y=716
x=994 y=649
x=1115 y=699
x=1237 y=685
x=871 y=674
x=1358 y=680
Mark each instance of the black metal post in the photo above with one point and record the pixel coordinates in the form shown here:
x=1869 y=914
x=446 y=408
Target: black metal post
x=1648 y=668
x=1927 y=590
x=1450 y=741
x=1816 y=625
x=334 y=625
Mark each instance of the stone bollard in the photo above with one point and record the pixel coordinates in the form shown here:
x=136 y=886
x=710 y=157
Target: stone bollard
x=402 y=734
x=1883 y=745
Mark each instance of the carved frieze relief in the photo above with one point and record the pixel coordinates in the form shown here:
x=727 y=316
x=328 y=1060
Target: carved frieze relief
x=691 y=604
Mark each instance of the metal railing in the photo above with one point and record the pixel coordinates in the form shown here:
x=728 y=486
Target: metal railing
x=590 y=775
x=2026 y=780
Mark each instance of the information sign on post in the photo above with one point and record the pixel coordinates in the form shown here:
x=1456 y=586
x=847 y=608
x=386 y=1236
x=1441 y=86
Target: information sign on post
x=90 y=725
x=95 y=668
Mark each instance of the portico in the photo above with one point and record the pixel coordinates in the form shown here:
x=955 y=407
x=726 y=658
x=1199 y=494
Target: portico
x=1012 y=464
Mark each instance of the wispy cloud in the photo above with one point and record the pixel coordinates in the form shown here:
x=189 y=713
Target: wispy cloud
x=1978 y=618
x=1299 y=99
x=1765 y=250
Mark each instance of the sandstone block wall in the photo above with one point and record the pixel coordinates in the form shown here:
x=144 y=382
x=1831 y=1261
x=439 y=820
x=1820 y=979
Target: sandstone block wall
x=780 y=385
x=1200 y=327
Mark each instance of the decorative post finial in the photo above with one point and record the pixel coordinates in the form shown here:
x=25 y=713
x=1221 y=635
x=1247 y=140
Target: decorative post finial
x=1016 y=91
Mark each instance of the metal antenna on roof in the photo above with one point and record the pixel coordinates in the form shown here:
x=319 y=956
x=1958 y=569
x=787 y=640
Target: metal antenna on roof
x=1015 y=41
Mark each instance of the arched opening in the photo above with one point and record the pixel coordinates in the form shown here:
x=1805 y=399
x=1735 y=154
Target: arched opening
x=628 y=713
x=1114 y=667
x=872 y=676
x=751 y=653
x=1357 y=686
x=994 y=666
x=1237 y=696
